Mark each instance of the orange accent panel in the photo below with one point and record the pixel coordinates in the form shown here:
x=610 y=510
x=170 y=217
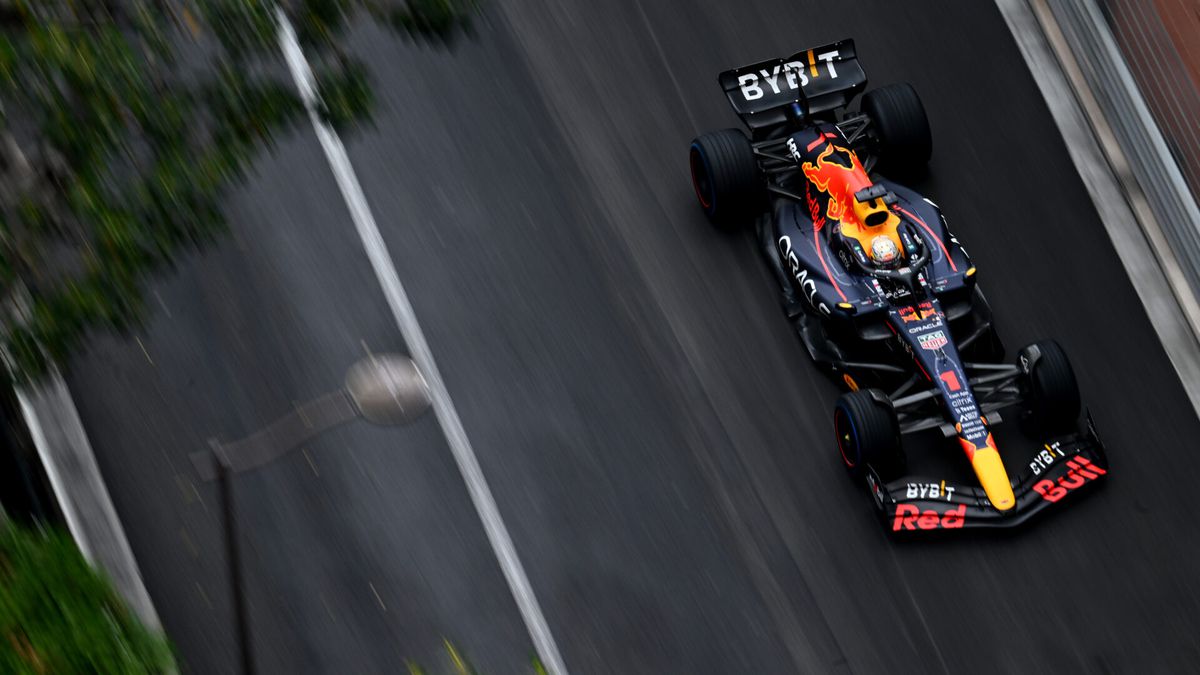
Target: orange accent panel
x=865 y=233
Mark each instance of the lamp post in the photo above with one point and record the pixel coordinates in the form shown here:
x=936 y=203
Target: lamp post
x=384 y=389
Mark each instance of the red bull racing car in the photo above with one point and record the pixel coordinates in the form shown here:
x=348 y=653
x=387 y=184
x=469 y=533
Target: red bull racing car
x=885 y=298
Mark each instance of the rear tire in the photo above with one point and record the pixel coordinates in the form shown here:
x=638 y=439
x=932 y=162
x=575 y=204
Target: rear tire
x=868 y=433
x=1051 y=388
x=901 y=126
x=729 y=184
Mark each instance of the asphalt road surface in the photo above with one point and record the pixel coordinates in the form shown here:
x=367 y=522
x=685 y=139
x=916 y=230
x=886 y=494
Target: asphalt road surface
x=655 y=438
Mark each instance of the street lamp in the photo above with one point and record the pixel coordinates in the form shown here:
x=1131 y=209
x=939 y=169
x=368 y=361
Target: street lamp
x=383 y=389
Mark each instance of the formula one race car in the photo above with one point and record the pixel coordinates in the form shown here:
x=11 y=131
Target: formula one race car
x=884 y=297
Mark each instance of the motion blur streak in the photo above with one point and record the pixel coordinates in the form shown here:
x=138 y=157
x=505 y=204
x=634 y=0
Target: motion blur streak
x=657 y=440
x=406 y=319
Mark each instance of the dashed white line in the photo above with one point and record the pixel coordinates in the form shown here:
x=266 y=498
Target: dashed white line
x=406 y=319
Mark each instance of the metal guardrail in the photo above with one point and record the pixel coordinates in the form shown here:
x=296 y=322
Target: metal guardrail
x=1158 y=41
x=1150 y=160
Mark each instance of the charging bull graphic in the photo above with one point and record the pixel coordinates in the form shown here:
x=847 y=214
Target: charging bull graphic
x=836 y=173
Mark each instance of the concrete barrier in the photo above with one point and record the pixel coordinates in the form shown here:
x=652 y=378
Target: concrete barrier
x=70 y=464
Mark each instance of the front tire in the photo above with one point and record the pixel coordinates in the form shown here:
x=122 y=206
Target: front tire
x=868 y=433
x=1051 y=389
x=729 y=184
x=901 y=126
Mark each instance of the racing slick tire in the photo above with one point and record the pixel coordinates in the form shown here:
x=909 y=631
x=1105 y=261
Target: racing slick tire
x=729 y=184
x=1050 y=385
x=901 y=126
x=868 y=433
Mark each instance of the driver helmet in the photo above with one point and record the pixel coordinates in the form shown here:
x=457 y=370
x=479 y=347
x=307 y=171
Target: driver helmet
x=884 y=251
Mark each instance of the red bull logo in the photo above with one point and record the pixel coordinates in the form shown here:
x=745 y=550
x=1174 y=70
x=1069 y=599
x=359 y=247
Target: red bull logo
x=911 y=314
x=837 y=173
x=814 y=210
x=1081 y=470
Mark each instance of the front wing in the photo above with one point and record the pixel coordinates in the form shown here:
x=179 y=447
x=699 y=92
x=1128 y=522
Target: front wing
x=1064 y=467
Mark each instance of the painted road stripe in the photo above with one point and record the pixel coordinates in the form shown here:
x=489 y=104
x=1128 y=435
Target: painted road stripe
x=406 y=319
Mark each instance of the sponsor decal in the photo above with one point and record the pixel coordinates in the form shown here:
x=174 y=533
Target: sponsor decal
x=814 y=209
x=968 y=409
x=929 y=491
x=920 y=313
x=934 y=341
x=971 y=428
x=909 y=517
x=958 y=395
x=792 y=76
x=1081 y=471
x=936 y=323
x=795 y=151
x=1044 y=459
x=801 y=274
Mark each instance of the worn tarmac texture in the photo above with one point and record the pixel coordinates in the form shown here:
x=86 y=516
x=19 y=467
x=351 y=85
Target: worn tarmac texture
x=656 y=440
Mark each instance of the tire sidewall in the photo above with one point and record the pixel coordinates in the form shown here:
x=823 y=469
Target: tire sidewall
x=868 y=433
x=703 y=185
x=843 y=421
x=1053 y=403
x=902 y=127
x=726 y=178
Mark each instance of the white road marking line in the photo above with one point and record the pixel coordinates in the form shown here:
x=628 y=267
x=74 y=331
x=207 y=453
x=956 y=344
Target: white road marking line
x=379 y=599
x=311 y=463
x=203 y=595
x=144 y=352
x=406 y=319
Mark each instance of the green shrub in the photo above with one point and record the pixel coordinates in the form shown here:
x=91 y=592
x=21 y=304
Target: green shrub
x=58 y=615
x=124 y=124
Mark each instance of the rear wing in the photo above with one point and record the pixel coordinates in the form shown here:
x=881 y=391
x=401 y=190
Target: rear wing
x=819 y=80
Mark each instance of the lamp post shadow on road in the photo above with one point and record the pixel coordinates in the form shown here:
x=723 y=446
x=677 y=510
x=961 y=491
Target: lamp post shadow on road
x=385 y=389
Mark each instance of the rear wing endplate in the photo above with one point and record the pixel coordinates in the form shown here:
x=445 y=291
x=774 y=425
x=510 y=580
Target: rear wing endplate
x=819 y=79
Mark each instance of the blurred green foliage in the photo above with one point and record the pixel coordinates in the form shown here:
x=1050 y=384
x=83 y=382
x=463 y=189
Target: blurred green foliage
x=459 y=665
x=57 y=615
x=123 y=123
